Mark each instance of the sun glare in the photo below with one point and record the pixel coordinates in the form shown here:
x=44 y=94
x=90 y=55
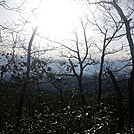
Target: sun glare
x=57 y=18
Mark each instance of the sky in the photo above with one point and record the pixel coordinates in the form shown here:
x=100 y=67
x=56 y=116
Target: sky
x=59 y=17
x=54 y=18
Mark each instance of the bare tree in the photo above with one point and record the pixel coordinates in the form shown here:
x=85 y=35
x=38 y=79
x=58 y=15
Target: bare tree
x=26 y=79
x=4 y=4
x=80 y=57
x=126 y=21
x=109 y=31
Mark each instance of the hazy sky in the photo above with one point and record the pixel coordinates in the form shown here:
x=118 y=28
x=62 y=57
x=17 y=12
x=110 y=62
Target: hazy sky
x=59 y=18
x=55 y=18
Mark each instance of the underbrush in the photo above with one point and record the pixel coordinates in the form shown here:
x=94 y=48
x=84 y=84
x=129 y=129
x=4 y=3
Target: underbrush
x=43 y=114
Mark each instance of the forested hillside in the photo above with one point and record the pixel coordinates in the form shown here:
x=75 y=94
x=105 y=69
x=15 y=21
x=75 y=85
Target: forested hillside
x=81 y=84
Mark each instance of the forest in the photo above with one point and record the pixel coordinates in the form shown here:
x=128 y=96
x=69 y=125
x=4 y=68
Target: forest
x=83 y=84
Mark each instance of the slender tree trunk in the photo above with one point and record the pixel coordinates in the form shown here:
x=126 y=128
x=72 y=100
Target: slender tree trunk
x=131 y=45
x=101 y=68
x=79 y=78
x=21 y=100
x=100 y=75
x=0 y=121
x=61 y=98
x=29 y=52
x=119 y=101
x=82 y=92
x=131 y=98
x=1 y=118
x=19 y=114
x=2 y=73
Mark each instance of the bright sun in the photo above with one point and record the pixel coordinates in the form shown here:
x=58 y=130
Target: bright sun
x=58 y=18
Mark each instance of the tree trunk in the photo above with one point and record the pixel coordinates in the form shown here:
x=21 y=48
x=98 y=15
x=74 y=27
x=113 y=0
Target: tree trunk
x=29 y=52
x=21 y=100
x=2 y=73
x=82 y=92
x=119 y=101
x=19 y=114
x=101 y=68
x=79 y=78
x=131 y=98
x=100 y=75
x=61 y=99
x=131 y=45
